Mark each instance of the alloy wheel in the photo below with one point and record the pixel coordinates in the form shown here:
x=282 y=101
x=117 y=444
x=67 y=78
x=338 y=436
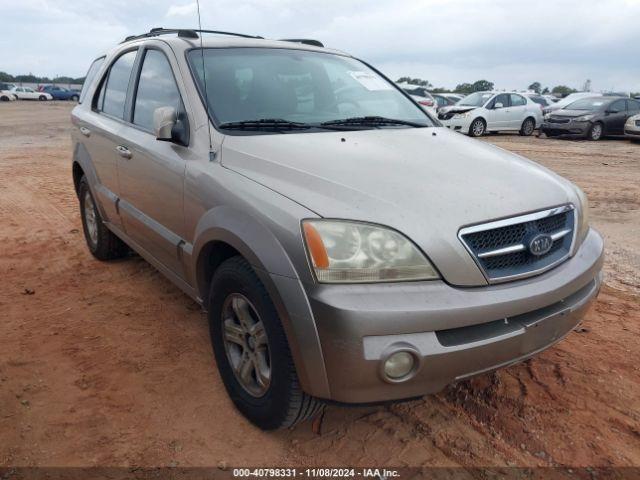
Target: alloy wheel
x=90 y=218
x=477 y=128
x=246 y=344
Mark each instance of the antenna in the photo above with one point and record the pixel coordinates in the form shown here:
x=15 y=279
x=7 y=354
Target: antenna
x=204 y=80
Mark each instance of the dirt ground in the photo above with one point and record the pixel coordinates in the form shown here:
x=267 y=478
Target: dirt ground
x=108 y=364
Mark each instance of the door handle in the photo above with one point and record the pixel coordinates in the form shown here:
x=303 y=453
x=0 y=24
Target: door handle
x=123 y=151
x=85 y=131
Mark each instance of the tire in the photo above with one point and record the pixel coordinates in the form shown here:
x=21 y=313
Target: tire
x=477 y=128
x=528 y=127
x=595 y=132
x=278 y=400
x=102 y=242
x=4 y=98
x=42 y=98
x=74 y=98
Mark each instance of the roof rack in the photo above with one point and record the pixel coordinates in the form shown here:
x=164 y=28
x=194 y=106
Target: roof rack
x=184 y=33
x=306 y=41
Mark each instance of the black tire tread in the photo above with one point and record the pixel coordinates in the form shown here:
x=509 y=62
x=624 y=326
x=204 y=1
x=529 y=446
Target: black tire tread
x=301 y=406
x=110 y=246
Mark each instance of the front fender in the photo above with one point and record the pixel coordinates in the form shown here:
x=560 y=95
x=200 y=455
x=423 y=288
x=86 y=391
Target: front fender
x=256 y=242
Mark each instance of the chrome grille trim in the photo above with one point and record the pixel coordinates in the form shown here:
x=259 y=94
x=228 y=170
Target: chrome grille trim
x=515 y=248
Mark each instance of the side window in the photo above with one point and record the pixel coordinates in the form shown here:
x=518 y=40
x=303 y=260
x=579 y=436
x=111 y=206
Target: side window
x=115 y=88
x=617 y=106
x=503 y=98
x=633 y=105
x=91 y=75
x=517 y=100
x=156 y=88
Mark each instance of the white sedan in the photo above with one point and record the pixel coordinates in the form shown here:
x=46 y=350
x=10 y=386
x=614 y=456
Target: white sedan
x=483 y=112
x=27 y=93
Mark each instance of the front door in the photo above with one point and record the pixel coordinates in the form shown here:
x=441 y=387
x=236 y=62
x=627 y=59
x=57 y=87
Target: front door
x=498 y=113
x=151 y=171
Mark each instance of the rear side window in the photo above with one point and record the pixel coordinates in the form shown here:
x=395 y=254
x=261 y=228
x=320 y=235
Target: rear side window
x=618 y=106
x=517 y=100
x=91 y=75
x=156 y=88
x=115 y=88
x=633 y=105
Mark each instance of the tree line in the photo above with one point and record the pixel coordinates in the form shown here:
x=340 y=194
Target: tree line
x=31 y=78
x=485 y=85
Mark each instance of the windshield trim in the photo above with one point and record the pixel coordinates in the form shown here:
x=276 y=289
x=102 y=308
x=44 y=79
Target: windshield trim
x=215 y=122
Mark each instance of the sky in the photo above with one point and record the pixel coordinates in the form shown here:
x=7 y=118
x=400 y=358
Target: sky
x=509 y=42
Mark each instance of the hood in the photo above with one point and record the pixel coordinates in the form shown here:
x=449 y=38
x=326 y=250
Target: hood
x=573 y=113
x=425 y=182
x=457 y=109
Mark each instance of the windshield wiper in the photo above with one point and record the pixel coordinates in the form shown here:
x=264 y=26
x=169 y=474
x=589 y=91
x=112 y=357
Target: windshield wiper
x=265 y=124
x=371 y=121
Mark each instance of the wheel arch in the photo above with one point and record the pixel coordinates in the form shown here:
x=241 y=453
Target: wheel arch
x=224 y=232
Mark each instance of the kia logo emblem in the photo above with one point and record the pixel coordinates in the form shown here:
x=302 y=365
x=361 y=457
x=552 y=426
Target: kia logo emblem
x=540 y=244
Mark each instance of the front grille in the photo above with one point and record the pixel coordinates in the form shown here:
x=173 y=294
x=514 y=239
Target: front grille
x=558 y=120
x=502 y=249
x=637 y=123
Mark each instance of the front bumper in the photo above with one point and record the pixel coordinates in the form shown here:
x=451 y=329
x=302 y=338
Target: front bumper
x=571 y=128
x=632 y=132
x=453 y=332
x=458 y=124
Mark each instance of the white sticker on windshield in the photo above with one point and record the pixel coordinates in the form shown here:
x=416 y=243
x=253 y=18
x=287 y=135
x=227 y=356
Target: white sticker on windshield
x=370 y=81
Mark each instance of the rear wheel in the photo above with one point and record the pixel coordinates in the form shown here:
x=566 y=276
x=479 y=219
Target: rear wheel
x=595 y=132
x=477 y=128
x=74 y=98
x=252 y=352
x=42 y=98
x=102 y=242
x=528 y=127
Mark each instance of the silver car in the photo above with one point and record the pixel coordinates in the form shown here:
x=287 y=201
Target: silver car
x=632 y=128
x=345 y=246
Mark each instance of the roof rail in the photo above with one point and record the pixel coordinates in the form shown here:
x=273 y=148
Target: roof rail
x=306 y=41
x=183 y=33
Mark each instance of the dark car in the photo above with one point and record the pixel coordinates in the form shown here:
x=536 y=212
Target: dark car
x=592 y=117
x=61 y=93
x=442 y=101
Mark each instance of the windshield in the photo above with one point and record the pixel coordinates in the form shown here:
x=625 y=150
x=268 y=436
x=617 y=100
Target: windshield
x=475 y=99
x=588 y=104
x=248 y=84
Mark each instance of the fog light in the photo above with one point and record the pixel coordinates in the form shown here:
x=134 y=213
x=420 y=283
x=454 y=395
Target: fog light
x=399 y=365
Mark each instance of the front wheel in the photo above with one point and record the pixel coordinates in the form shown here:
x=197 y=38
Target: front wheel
x=252 y=352
x=74 y=98
x=528 y=126
x=595 y=132
x=42 y=98
x=477 y=128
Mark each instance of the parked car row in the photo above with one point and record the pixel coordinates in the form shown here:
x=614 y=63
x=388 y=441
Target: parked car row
x=10 y=92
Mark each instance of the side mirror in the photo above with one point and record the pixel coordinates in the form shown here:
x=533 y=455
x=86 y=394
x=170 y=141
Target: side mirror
x=164 y=119
x=498 y=105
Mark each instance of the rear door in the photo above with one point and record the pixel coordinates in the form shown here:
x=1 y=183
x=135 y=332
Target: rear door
x=615 y=117
x=518 y=111
x=151 y=172
x=101 y=132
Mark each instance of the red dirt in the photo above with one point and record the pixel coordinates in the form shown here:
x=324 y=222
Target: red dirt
x=108 y=364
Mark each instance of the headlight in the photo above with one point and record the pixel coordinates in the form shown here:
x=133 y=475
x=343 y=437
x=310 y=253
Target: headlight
x=583 y=215
x=462 y=115
x=352 y=252
x=547 y=116
x=584 y=118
